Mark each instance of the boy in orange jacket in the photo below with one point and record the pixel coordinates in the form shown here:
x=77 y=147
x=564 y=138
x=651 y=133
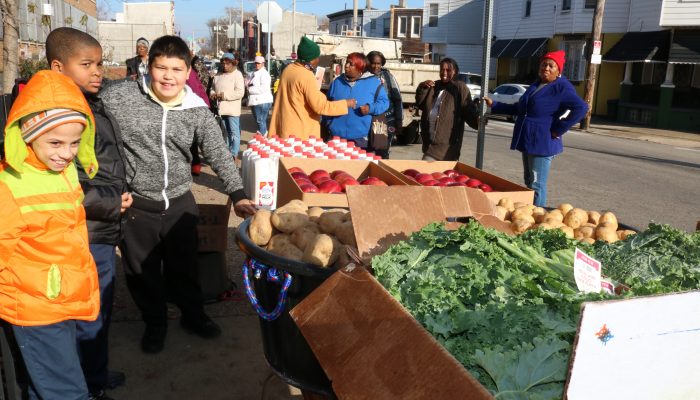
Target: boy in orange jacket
x=48 y=278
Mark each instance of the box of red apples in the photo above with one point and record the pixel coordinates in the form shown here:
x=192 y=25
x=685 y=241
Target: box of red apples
x=452 y=173
x=320 y=182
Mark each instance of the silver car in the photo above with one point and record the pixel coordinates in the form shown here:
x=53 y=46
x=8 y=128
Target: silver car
x=508 y=93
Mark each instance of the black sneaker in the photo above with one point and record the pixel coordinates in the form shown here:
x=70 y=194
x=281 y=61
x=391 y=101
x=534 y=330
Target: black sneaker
x=153 y=339
x=115 y=379
x=205 y=328
x=101 y=395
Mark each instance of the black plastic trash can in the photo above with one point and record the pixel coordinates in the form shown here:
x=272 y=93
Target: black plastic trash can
x=286 y=350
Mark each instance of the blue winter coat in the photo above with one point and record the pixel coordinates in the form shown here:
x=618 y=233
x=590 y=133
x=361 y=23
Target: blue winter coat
x=354 y=125
x=539 y=115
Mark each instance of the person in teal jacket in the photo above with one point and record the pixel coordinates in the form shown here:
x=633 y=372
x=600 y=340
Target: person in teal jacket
x=371 y=98
x=545 y=112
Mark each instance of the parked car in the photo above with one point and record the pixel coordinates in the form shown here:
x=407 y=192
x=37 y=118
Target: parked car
x=508 y=93
x=473 y=82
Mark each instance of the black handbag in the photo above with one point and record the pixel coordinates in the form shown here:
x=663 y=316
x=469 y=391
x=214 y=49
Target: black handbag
x=378 y=136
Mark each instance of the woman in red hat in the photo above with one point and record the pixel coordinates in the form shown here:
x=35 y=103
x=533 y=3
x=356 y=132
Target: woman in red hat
x=547 y=110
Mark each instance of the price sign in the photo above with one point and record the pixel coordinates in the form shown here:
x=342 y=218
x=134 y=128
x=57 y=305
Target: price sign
x=596 y=46
x=586 y=272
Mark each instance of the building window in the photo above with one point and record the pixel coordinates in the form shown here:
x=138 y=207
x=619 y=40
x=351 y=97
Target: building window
x=386 y=27
x=653 y=74
x=590 y=4
x=403 y=23
x=528 y=7
x=415 y=26
x=575 y=66
x=513 y=70
x=433 y=15
x=373 y=24
x=566 y=5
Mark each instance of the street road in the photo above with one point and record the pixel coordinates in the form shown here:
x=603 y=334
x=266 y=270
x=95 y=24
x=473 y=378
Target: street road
x=637 y=180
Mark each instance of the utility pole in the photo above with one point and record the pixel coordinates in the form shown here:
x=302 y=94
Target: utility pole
x=592 y=70
x=240 y=46
x=354 y=17
x=229 y=27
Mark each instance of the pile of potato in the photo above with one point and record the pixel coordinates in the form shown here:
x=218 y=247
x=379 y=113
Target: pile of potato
x=300 y=233
x=586 y=226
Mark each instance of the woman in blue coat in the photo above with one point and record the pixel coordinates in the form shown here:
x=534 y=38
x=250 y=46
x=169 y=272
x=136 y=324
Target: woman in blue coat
x=367 y=89
x=547 y=109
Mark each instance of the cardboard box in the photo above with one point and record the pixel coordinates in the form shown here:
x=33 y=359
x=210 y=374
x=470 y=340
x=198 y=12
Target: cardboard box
x=383 y=216
x=502 y=187
x=289 y=190
x=368 y=345
x=212 y=227
x=639 y=348
x=372 y=348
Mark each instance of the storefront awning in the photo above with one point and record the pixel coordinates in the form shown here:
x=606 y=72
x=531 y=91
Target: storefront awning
x=640 y=47
x=518 y=48
x=685 y=48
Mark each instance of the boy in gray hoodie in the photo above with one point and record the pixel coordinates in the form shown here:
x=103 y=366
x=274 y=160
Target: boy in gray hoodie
x=159 y=117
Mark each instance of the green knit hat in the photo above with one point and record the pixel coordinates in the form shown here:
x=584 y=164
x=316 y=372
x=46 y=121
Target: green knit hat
x=307 y=49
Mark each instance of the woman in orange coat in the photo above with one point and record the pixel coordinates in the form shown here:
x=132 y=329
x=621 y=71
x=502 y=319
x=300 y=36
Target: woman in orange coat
x=48 y=278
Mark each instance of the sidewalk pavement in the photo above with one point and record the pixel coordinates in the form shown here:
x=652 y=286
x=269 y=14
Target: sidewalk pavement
x=233 y=366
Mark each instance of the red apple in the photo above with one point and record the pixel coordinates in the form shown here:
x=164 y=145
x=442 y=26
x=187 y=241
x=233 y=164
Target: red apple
x=451 y=173
x=342 y=176
x=308 y=188
x=460 y=178
x=411 y=172
x=296 y=169
x=457 y=184
x=348 y=182
x=431 y=182
x=485 y=187
x=319 y=173
x=410 y=178
x=420 y=178
x=302 y=181
x=320 y=180
x=299 y=174
x=337 y=172
x=446 y=180
x=373 y=181
x=438 y=175
x=330 y=186
x=473 y=183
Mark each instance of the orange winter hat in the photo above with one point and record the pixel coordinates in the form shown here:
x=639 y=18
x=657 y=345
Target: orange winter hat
x=34 y=125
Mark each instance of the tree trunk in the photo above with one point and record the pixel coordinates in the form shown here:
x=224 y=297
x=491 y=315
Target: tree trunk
x=10 y=44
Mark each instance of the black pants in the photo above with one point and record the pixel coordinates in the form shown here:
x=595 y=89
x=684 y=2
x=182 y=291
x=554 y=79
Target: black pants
x=159 y=252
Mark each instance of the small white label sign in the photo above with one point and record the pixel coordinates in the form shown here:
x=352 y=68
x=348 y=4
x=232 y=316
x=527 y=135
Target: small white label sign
x=586 y=272
x=596 y=58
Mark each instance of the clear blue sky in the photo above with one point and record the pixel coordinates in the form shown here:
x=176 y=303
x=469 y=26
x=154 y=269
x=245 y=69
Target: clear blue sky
x=192 y=15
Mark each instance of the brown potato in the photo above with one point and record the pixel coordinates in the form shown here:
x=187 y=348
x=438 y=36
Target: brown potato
x=521 y=225
x=290 y=216
x=625 y=233
x=502 y=213
x=260 y=228
x=593 y=217
x=331 y=219
x=345 y=233
x=555 y=214
x=610 y=218
x=281 y=244
x=301 y=237
x=565 y=208
x=574 y=219
x=507 y=203
x=569 y=231
x=314 y=213
x=319 y=251
x=588 y=240
x=606 y=234
x=521 y=212
x=538 y=213
x=584 y=232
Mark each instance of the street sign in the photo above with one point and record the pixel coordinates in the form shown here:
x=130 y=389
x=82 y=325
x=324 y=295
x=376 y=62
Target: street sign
x=596 y=46
x=269 y=12
x=268 y=28
x=234 y=31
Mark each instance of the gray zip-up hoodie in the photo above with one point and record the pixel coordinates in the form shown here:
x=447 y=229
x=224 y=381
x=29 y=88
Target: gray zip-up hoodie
x=157 y=142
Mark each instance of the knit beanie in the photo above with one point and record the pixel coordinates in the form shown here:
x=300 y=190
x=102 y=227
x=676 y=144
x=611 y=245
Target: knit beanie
x=558 y=57
x=34 y=125
x=308 y=50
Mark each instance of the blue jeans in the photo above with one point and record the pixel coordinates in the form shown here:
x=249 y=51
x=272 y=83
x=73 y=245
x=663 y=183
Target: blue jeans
x=536 y=170
x=233 y=129
x=260 y=112
x=52 y=362
x=93 y=346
